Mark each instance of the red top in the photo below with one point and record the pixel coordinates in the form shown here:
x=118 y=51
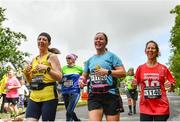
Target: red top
x=153 y=99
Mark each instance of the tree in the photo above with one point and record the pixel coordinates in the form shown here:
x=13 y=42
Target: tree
x=9 y=43
x=174 y=40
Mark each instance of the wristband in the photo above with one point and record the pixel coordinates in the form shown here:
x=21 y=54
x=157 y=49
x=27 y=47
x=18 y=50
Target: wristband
x=109 y=72
x=48 y=69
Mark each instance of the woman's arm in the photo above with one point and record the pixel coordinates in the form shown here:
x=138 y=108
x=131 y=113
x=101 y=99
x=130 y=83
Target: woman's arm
x=83 y=80
x=55 y=72
x=118 y=72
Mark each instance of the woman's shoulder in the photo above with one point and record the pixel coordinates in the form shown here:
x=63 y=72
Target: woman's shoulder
x=162 y=66
x=141 y=66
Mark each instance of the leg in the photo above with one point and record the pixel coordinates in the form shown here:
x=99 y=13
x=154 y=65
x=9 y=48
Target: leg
x=72 y=104
x=95 y=108
x=96 y=115
x=134 y=106
x=49 y=110
x=112 y=112
x=135 y=97
x=113 y=117
x=66 y=98
x=129 y=102
x=3 y=101
x=33 y=111
x=130 y=106
x=14 y=105
x=146 y=117
x=163 y=118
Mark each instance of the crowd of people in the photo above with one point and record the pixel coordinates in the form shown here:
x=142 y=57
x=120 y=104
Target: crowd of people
x=100 y=75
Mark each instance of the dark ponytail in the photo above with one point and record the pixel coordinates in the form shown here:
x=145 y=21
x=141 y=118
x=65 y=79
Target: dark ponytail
x=54 y=50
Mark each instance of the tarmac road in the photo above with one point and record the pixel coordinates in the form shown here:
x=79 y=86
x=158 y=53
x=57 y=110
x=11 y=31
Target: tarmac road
x=82 y=112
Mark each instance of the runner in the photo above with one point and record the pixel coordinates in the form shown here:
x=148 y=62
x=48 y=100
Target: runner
x=70 y=87
x=42 y=74
x=131 y=91
x=12 y=95
x=153 y=77
x=103 y=68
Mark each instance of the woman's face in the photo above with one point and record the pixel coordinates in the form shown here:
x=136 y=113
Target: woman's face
x=100 y=41
x=42 y=42
x=10 y=73
x=151 y=51
x=130 y=72
x=69 y=60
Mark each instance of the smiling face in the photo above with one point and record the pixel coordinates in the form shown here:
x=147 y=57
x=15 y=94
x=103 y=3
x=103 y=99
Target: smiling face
x=69 y=61
x=10 y=73
x=152 y=50
x=100 y=41
x=43 y=42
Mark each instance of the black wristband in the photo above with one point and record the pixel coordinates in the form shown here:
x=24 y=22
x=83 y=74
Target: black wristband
x=109 y=72
x=48 y=69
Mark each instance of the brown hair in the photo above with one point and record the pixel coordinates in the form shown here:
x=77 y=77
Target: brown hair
x=106 y=38
x=54 y=50
x=156 y=46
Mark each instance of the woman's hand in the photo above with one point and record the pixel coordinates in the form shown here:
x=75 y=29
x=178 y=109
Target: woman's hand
x=134 y=84
x=40 y=67
x=82 y=82
x=101 y=71
x=167 y=85
x=28 y=68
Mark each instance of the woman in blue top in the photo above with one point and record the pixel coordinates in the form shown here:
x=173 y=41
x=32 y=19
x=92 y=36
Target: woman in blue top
x=70 y=87
x=103 y=68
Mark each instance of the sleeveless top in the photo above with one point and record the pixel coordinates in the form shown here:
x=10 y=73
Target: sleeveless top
x=48 y=92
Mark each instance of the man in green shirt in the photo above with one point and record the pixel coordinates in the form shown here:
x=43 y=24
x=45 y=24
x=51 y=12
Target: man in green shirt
x=131 y=91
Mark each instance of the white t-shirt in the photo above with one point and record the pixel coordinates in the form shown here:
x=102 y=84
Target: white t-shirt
x=23 y=90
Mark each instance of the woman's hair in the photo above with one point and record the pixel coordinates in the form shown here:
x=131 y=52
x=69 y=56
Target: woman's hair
x=156 y=46
x=46 y=35
x=106 y=38
x=52 y=50
x=72 y=56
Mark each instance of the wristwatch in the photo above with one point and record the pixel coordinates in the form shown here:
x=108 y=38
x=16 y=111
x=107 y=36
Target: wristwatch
x=109 y=72
x=48 y=69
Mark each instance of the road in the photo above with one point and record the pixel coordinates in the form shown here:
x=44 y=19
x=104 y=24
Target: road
x=82 y=112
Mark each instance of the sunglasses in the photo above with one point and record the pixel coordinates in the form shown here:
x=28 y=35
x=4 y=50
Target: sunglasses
x=68 y=58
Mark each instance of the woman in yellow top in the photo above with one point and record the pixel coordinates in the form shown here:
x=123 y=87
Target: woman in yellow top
x=3 y=91
x=42 y=75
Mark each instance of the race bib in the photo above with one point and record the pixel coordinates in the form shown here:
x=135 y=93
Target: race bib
x=37 y=83
x=99 y=84
x=67 y=82
x=152 y=88
x=152 y=92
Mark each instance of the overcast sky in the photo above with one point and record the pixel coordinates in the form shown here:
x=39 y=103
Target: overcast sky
x=73 y=24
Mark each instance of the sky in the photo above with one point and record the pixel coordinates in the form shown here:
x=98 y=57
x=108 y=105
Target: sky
x=72 y=24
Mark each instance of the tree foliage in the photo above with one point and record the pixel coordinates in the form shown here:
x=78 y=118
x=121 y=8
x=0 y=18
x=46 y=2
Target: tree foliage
x=175 y=44
x=9 y=43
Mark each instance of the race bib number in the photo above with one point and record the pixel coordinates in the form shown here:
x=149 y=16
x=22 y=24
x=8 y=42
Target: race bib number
x=99 y=84
x=67 y=83
x=152 y=90
x=97 y=80
x=37 y=83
